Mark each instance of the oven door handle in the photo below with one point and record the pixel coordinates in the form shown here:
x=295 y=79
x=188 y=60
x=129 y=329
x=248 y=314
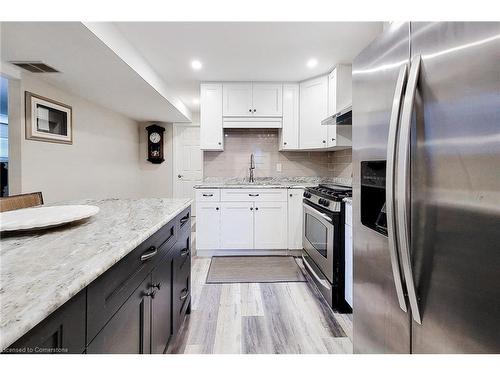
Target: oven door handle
x=314 y=274
x=316 y=212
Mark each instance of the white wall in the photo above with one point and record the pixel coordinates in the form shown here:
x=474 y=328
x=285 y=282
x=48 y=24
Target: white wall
x=156 y=178
x=105 y=160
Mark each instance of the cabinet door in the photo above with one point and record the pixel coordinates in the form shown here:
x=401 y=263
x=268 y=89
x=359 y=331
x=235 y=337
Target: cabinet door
x=62 y=332
x=332 y=92
x=348 y=264
x=161 y=313
x=270 y=225
x=290 y=130
x=237 y=99
x=211 y=133
x=295 y=217
x=236 y=225
x=208 y=225
x=267 y=99
x=128 y=331
x=181 y=277
x=313 y=110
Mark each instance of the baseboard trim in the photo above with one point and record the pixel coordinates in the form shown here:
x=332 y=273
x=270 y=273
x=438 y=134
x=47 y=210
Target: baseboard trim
x=211 y=253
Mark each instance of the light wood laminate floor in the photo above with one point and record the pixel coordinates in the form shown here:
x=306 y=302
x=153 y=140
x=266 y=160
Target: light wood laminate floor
x=265 y=318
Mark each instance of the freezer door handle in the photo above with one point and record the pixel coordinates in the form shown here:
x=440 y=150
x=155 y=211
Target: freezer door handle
x=389 y=192
x=403 y=193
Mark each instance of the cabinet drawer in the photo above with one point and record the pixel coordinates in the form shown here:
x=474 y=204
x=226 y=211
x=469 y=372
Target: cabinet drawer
x=253 y=195
x=348 y=214
x=108 y=292
x=208 y=195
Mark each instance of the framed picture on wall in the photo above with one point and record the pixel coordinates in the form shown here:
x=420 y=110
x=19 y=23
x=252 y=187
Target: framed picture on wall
x=48 y=120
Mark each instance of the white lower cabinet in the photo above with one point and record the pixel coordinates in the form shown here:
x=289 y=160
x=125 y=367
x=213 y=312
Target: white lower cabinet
x=295 y=218
x=270 y=225
x=208 y=215
x=236 y=230
x=247 y=219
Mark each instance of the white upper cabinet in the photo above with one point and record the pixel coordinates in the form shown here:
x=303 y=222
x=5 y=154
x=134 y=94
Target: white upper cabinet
x=252 y=99
x=313 y=110
x=237 y=99
x=289 y=135
x=332 y=92
x=267 y=99
x=339 y=97
x=211 y=133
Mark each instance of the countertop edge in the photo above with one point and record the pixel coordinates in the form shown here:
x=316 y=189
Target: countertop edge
x=11 y=336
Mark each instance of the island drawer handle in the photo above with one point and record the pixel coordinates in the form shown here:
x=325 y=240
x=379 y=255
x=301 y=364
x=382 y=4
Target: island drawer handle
x=184 y=294
x=152 y=251
x=208 y=195
x=253 y=195
x=184 y=219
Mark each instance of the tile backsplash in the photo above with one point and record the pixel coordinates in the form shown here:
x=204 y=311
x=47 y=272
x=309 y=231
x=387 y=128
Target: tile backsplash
x=234 y=161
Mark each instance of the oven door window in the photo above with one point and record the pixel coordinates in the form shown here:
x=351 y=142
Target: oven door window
x=317 y=234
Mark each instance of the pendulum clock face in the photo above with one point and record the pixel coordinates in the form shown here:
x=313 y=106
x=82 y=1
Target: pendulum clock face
x=155 y=144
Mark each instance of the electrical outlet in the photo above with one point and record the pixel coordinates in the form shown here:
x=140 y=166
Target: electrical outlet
x=278 y=167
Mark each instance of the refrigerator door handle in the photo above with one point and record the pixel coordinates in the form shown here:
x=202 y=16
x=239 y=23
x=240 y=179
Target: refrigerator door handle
x=389 y=192
x=403 y=170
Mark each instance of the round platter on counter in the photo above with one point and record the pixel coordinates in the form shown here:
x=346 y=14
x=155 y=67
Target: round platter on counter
x=44 y=217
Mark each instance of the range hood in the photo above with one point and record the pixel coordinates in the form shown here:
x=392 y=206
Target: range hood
x=343 y=117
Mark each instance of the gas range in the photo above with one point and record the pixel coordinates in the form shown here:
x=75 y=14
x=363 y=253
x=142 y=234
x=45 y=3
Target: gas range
x=328 y=196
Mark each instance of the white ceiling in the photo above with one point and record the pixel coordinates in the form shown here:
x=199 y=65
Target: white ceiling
x=88 y=68
x=251 y=51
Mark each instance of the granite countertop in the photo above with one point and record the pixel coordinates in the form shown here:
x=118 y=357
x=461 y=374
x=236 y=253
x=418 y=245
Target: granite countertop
x=40 y=271
x=269 y=182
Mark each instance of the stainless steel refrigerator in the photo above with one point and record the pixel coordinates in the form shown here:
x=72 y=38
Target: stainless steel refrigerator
x=426 y=190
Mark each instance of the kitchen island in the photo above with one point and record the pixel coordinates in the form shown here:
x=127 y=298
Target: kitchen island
x=41 y=271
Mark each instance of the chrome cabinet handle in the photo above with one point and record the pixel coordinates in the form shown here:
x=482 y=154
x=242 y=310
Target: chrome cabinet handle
x=253 y=195
x=389 y=192
x=207 y=195
x=179 y=176
x=184 y=252
x=403 y=170
x=152 y=251
x=184 y=294
x=157 y=286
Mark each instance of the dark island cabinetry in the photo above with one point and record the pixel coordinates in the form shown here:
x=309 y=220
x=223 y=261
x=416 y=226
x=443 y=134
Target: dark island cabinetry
x=135 y=307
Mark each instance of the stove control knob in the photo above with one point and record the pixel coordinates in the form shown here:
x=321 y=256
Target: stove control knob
x=307 y=194
x=326 y=203
x=321 y=201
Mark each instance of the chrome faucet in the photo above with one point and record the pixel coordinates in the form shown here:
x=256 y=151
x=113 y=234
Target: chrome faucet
x=252 y=167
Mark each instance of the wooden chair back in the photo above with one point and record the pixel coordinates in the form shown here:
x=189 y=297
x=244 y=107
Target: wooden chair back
x=15 y=202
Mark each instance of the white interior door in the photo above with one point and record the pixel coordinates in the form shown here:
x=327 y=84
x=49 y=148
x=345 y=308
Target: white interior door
x=188 y=161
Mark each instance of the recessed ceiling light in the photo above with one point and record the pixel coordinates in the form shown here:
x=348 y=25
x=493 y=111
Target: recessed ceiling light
x=196 y=101
x=196 y=64
x=311 y=63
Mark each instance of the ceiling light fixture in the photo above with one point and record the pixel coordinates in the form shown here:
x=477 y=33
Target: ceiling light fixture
x=311 y=63
x=196 y=64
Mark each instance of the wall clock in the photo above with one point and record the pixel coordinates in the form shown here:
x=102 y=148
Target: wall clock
x=155 y=144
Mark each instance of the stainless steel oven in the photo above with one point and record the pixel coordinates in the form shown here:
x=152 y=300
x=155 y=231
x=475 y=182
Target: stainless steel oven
x=323 y=241
x=318 y=237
